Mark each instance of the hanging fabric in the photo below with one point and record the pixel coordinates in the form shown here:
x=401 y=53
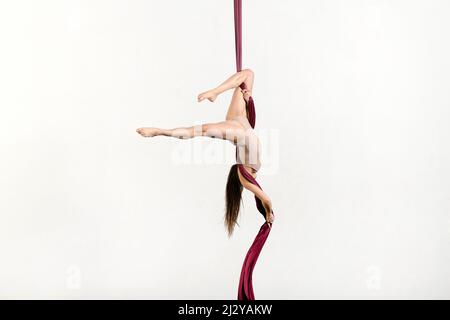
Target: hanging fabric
x=245 y=291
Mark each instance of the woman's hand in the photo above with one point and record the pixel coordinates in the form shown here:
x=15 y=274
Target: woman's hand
x=246 y=93
x=211 y=95
x=269 y=212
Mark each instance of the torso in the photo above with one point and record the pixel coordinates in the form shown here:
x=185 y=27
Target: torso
x=248 y=147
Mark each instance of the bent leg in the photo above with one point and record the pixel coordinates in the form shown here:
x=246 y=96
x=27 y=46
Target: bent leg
x=237 y=105
x=245 y=77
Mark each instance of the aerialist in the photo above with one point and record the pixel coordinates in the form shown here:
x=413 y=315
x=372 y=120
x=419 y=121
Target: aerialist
x=236 y=129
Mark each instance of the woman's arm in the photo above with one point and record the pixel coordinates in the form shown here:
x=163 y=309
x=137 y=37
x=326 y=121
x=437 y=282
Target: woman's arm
x=245 y=76
x=267 y=203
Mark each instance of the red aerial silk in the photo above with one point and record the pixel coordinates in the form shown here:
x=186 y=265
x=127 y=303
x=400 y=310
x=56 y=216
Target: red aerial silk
x=245 y=291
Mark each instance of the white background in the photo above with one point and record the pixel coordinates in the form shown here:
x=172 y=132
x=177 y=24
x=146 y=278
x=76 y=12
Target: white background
x=357 y=93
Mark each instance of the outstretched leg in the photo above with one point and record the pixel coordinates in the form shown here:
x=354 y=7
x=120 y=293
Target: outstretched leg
x=229 y=130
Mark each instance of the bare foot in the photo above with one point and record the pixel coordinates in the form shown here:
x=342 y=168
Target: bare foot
x=148 y=132
x=210 y=95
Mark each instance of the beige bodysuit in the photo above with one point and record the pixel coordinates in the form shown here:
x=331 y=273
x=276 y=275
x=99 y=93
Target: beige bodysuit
x=248 y=146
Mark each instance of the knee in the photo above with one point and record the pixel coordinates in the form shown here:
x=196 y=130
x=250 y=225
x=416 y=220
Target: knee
x=248 y=73
x=208 y=129
x=205 y=128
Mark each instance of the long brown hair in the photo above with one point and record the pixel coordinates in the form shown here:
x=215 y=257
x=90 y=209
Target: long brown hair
x=233 y=198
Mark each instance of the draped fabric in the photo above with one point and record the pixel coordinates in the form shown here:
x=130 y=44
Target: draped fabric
x=245 y=291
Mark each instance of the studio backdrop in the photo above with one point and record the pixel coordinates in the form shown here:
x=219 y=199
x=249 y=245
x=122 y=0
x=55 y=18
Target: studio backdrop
x=353 y=111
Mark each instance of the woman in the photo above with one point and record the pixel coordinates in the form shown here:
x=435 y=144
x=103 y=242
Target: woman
x=238 y=131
